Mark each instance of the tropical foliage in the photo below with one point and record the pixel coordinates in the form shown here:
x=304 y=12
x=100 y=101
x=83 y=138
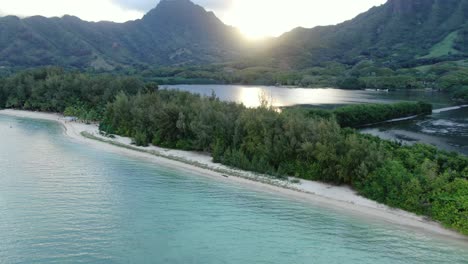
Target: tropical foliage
x=360 y=115
x=54 y=90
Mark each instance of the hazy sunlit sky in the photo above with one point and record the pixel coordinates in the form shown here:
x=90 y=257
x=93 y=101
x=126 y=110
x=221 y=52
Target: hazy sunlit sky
x=255 y=18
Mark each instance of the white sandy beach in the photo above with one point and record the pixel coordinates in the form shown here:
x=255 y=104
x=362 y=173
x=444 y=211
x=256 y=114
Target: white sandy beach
x=343 y=198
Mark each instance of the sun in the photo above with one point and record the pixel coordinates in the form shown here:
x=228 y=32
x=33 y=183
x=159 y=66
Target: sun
x=253 y=24
x=270 y=18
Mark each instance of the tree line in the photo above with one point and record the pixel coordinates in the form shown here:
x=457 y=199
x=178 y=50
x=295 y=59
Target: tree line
x=359 y=115
x=53 y=89
x=365 y=114
x=420 y=178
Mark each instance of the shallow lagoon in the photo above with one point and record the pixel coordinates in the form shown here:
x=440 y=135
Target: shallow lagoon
x=65 y=202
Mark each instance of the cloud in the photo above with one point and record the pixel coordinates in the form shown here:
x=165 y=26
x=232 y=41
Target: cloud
x=137 y=5
x=91 y=10
x=215 y=4
x=146 y=5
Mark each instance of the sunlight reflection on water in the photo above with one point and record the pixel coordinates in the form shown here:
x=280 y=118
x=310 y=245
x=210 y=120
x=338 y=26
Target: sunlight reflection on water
x=251 y=96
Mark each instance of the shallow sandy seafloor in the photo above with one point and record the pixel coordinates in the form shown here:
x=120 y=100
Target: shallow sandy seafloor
x=320 y=194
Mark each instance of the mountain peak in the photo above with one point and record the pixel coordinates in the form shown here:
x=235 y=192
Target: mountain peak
x=176 y=3
x=179 y=11
x=173 y=6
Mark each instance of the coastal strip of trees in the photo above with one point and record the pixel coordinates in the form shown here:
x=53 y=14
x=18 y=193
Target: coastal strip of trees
x=360 y=115
x=419 y=178
x=77 y=94
x=366 y=114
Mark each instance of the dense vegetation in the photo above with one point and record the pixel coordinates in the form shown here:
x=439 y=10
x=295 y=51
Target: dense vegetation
x=366 y=114
x=359 y=115
x=55 y=90
x=401 y=33
x=419 y=178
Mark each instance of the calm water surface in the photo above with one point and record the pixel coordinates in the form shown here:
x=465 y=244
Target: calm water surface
x=65 y=202
x=280 y=96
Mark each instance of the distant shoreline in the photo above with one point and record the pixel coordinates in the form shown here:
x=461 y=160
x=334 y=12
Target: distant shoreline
x=320 y=194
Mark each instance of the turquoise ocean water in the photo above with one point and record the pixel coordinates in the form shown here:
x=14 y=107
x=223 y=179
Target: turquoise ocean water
x=65 y=202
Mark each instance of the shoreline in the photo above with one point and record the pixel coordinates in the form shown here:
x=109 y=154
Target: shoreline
x=451 y=108
x=320 y=194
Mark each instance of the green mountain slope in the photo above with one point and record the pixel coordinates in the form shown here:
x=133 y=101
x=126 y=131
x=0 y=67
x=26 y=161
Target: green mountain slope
x=175 y=32
x=400 y=32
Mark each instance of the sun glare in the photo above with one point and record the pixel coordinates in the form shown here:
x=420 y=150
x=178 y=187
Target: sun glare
x=266 y=18
x=257 y=19
x=253 y=20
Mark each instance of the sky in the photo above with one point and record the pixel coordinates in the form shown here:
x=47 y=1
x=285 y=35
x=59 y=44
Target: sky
x=255 y=18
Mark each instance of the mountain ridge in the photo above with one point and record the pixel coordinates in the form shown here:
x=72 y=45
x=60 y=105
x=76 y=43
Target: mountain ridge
x=399 y=33
x=393 y=32
x=196 y=39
